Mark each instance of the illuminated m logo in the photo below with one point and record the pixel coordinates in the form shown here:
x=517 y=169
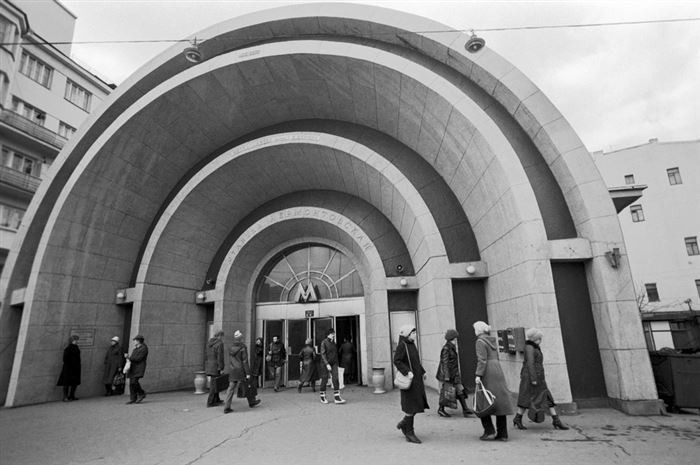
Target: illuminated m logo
x=305 y=294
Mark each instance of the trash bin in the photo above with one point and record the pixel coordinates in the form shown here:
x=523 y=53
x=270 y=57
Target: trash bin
x=677 y=378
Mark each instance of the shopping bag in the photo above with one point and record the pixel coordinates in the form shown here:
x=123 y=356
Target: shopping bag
x=484 y=403
x=127 y=366
x=536 y=410
x=448 y=395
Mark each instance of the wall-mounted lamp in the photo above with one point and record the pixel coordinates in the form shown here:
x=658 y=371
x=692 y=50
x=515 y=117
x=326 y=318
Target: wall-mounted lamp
x=200 y=297
x=403 y=282
x=121 y=295
x=471 y=269
x=474 y=44
x=613 y=257
x=399 y=268
x=192 y=53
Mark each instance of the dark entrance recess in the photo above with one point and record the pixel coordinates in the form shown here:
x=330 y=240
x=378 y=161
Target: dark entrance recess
x=578 y=331
x=347 y=327
x=470 y=306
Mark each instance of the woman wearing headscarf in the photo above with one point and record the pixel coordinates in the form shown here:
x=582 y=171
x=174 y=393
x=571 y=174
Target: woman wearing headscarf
x=113 y=363
x=448 y=371
x=307 y=363
x=70 y=374
x=533 y=386
x=256 y=367
x=413 y=399
x=490 y=374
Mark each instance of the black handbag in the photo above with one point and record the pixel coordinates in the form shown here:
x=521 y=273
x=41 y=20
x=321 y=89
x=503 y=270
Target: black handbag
x=536 y=410
x=220 y=383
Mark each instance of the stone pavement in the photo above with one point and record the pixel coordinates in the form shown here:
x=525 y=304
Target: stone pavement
x=175 y=428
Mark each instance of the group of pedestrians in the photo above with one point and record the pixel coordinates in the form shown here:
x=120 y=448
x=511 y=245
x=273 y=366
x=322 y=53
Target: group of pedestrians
x=117 y=367
x=533 y=393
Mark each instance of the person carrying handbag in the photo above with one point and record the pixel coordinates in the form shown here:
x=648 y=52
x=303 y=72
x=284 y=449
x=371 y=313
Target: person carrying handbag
x=449 y=376
x=413 y=399
x=534 y=393
x=490 y=374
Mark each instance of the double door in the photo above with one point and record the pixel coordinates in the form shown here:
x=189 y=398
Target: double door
x=294 y=332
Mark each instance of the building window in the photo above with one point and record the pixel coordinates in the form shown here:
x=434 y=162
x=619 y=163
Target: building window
x=77 y=95
x=659 y=334
x=10 y=217
x=697 y=286
x=36 y=70
x=65 y=130
x=652 y=292
x=674 y=176
x=20 y=162
x=691 y=245
x=629 y=179
x=28 y=111
x=637 y=213
x=6 y=30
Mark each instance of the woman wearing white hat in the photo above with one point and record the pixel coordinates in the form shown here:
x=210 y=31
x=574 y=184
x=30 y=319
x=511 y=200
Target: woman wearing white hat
x=114 y=361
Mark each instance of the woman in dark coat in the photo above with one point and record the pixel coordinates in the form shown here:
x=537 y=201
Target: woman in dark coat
x=114 y=361
x=307 y=363
x=448 y=371
x=490 y=374
x=533 y=387
x=70 y=374
x=413 y=399
x=256 y=367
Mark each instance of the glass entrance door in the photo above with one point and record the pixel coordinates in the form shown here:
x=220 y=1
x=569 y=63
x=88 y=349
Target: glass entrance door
x=296 y=336
x=319 y=329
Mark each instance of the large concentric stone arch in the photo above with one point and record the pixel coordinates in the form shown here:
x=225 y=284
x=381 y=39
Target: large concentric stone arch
x=442 y=158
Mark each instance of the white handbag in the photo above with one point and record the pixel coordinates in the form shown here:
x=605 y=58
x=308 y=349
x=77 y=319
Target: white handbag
x=402 y=381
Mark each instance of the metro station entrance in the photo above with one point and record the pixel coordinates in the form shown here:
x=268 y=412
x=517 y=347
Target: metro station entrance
x=302 y=293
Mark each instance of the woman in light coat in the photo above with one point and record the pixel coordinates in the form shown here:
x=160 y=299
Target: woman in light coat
x=413 y=399
x=533 y=386
x=490 y=374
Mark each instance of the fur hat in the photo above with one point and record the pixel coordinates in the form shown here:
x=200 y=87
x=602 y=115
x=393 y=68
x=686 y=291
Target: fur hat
x=237 y=335
x=139 y=338
x=451 y=334
x=115 y=338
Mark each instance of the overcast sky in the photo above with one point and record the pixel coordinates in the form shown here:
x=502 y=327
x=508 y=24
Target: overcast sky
x=617 y=85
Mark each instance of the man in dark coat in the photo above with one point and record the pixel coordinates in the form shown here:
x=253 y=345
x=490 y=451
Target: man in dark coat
x=214 y=366
x=138 y=369
x=70 y=374
x=114 y=361
x=278 y=357
x=329 y=355
x=239 y=372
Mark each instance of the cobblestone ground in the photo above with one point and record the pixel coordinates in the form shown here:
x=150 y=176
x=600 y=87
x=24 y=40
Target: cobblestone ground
x=176 y=428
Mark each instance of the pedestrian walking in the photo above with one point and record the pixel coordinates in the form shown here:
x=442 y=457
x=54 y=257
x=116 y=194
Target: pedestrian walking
x=490 y=374
x=214 y=366
x=307 y=365
x=113 y=363
x=256 y=367
x=329 y=355
x=278 y=357
x=413 y=399
x=239 y=372
x=137 y=370
x=449 y=375
x=70 y=373
x=347 y=360
x=534 y=392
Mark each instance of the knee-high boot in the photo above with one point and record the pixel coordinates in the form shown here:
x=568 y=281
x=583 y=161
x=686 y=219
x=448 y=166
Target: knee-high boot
x=463 y=402
x=410 y=432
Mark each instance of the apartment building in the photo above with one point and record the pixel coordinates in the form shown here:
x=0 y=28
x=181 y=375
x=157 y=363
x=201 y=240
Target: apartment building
x=44 y=97
x=661 y=231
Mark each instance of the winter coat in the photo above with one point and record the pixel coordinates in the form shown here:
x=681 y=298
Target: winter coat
x=413 y=399
x=257 y=365
x=307 y=356
x=138 y=362
x=238 y=362
x=214 y=357
x=448 y=369
x=278 y=353
x=492 y=377
x=347 y=357
x=70 y=374
x=114 y=361
x=533 y=370
x=329 y=352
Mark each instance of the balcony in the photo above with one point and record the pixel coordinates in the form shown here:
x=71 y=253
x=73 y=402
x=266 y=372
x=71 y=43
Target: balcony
x=19 y=179
x=30 y=128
